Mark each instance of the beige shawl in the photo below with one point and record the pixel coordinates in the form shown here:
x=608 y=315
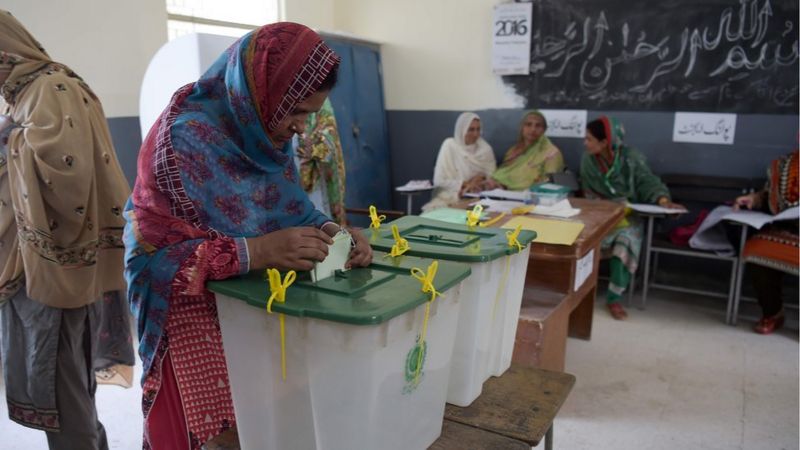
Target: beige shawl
x=61 y=187
x=457 y=162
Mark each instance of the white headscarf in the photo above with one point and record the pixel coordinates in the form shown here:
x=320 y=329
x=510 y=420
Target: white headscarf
x=458 y=162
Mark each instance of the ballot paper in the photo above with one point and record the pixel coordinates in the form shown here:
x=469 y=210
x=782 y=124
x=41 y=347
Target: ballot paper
x=520 y=196
x=415 y=185
x=499 y=206
x=711 y=236
x=338 y=254
x=655 y=209
x=562 y=209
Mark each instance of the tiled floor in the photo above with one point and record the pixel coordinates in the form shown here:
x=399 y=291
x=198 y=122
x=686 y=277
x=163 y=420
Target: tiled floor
x=673 y=376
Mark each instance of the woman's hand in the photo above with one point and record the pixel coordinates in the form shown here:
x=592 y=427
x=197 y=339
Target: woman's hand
x=474 y=184
x=295 y=248
x=749 y=201
x=491 y=183
x=361 y=254
x=665 y=202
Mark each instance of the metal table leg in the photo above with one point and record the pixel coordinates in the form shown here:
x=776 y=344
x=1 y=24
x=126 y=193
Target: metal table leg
x=548 y=438
x=647 y=243
x=654 y=270
x=408 y=203
x=631 y=290
x=733 y=306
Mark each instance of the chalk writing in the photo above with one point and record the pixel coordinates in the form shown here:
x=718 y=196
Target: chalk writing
x=682 y=55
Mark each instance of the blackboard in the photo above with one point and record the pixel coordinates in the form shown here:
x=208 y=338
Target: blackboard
x=676 y=55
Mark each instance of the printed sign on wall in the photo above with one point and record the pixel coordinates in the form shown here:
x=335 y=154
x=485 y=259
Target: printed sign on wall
x=511 y=39
x=583 y=268
x=565 y=122
x=707 y=128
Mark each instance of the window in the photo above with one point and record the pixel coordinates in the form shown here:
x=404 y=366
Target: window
x=229 y=17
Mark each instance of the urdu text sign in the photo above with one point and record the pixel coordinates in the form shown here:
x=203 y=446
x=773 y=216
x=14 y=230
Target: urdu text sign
x=706 y=128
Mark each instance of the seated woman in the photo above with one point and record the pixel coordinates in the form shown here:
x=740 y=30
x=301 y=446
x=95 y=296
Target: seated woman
x=531 y=160
x=464 y=162
x=611 y=170
x=217 y=195
x=773 y=251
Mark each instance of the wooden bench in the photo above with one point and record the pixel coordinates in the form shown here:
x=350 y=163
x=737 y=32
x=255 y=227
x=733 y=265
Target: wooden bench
x=514 y=412
x=521 y=405
x=456 y=436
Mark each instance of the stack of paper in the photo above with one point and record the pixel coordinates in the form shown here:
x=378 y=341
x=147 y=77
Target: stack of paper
x=502 y=194
x=415 y=185
x=711 y=237
x=548 y=231
x=499 y=206
x=654 y=209
x=561 y=209
x=758 y=219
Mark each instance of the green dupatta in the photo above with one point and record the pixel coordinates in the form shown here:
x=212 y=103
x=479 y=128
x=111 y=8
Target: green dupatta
x=532 y=166
x=627 y=176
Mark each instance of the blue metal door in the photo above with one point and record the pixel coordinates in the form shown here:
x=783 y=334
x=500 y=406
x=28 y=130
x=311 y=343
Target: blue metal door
x=361 y=118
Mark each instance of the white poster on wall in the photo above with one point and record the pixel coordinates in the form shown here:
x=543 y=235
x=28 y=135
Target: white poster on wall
x=511 y=39
x=565 y=122
x=706 y=128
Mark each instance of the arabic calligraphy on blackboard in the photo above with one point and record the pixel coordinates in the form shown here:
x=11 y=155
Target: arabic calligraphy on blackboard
x=735 y=56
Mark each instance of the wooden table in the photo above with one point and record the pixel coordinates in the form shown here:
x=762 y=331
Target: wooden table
x=515 y=410
x=551 y=296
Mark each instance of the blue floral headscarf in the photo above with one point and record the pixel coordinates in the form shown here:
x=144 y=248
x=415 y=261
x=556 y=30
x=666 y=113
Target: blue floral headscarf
x=207 y=169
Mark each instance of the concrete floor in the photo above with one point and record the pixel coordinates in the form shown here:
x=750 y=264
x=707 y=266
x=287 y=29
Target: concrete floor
x=673 y=376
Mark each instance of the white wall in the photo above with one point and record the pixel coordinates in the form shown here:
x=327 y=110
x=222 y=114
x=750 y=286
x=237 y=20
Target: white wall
x=316 y=14
x=183 y=60
x=107 y=42
x=436 y=53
